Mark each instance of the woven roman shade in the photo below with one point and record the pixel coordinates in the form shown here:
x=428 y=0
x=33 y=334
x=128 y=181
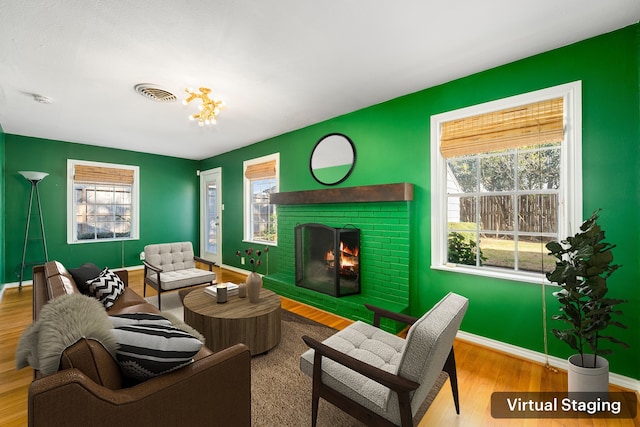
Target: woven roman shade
x=261 y=170
x=102 y=175
x=531 y=124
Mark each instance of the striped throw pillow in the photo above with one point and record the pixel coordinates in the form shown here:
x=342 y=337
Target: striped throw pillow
x=149 y=350
x=127 y=319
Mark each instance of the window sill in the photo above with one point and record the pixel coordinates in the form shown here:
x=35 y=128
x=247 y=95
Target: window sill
x=253 y=242
x=495 y=273
x=80 y=242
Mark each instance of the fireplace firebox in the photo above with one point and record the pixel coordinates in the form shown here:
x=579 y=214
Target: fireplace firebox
x=328 y=259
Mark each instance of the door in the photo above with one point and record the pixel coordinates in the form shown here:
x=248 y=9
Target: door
x=210 y=215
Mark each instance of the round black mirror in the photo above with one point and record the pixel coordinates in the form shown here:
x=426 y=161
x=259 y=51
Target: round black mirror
x=332 y=159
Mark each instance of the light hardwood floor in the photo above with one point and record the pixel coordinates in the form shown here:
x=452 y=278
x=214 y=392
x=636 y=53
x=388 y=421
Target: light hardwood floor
x=481 y=371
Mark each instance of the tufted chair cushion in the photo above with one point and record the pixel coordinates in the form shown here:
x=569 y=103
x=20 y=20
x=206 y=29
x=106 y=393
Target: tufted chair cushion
x=368 y=344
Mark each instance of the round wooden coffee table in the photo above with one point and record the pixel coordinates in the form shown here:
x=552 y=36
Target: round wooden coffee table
x=236 y=321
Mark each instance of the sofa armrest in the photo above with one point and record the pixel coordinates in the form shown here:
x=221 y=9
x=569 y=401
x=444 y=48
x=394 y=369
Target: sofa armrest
x=123 y=275
x=214 y=391
x=208 y=263
x=39 y=298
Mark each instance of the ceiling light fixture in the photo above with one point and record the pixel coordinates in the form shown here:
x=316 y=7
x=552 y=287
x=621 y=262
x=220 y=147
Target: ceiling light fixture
x=209 y=108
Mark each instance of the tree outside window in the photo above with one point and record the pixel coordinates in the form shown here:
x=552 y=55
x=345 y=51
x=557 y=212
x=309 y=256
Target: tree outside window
x=263 y=214
x=506 y=179
x=103 y=201
x=261 y=180
x=503 y=207
x=102 y=211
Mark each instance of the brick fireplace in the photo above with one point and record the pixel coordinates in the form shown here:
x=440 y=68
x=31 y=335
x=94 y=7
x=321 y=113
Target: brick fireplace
x=328 y=259
x=382 y=214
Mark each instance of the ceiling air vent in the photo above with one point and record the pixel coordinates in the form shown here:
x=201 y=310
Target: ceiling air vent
x=154 y=92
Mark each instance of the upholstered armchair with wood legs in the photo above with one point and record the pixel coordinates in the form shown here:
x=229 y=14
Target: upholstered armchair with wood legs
x=171 y=266
x=382 y=379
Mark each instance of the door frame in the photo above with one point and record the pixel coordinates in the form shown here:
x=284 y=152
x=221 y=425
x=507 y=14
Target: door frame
x=204 y=175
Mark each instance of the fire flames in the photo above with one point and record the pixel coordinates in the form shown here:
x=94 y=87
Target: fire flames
x=349 y=259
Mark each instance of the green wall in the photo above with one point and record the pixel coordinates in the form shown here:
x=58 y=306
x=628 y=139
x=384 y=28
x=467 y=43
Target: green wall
x=169 y=212
x=392 y=143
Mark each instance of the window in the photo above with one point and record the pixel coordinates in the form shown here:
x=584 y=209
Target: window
x=505 y=180
x=103 y=202
x=260 y=180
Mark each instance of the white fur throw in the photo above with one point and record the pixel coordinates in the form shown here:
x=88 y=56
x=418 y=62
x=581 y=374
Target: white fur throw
x=61 y=323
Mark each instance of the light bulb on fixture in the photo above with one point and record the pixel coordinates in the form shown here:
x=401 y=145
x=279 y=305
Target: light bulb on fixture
x=208 y=109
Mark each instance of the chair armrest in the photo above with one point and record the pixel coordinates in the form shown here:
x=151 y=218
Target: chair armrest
x=152 y=267
x=394 y=382
x=211 y=264
x=381 y=312
x=210 y=385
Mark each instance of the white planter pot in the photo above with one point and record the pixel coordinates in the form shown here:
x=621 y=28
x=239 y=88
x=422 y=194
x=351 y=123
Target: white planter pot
x=595 y=380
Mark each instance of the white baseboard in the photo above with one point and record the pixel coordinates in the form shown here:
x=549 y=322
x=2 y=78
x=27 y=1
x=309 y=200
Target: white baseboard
x=236 y=269
x=13 y=285
x=534 y=356
x=17 y=284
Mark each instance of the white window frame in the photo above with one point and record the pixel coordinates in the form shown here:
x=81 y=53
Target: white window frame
x=71 y=208
x=247 y=208
x=570 y=198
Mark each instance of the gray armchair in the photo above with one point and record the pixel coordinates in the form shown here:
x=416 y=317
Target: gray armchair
x=380 y=378
x=171 y=266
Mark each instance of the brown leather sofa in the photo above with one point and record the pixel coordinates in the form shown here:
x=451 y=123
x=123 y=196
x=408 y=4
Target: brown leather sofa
x=89 y=389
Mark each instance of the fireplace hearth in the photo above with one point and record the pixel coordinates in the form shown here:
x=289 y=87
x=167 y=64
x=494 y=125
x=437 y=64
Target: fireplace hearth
x=328 y=259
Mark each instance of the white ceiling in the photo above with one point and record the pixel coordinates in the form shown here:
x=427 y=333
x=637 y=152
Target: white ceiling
x=279 y=65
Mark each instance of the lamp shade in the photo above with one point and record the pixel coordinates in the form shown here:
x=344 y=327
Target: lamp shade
x=33 y=176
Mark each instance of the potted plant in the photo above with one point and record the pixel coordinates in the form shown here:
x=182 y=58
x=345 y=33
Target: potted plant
x=584 y=263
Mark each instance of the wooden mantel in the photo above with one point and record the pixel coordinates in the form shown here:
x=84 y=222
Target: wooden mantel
x=366 y=193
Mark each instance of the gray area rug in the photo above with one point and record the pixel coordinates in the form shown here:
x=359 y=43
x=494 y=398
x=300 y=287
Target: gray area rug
x=281 y=393
x=171 y=303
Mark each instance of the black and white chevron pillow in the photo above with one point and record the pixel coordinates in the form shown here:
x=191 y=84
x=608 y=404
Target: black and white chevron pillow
x=107 y=287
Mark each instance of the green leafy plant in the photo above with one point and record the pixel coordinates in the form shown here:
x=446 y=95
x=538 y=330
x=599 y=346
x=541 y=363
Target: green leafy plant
x=584 y=263
x=463 y=250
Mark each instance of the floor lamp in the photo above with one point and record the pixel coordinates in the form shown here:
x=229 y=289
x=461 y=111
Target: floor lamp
x=34 y=178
